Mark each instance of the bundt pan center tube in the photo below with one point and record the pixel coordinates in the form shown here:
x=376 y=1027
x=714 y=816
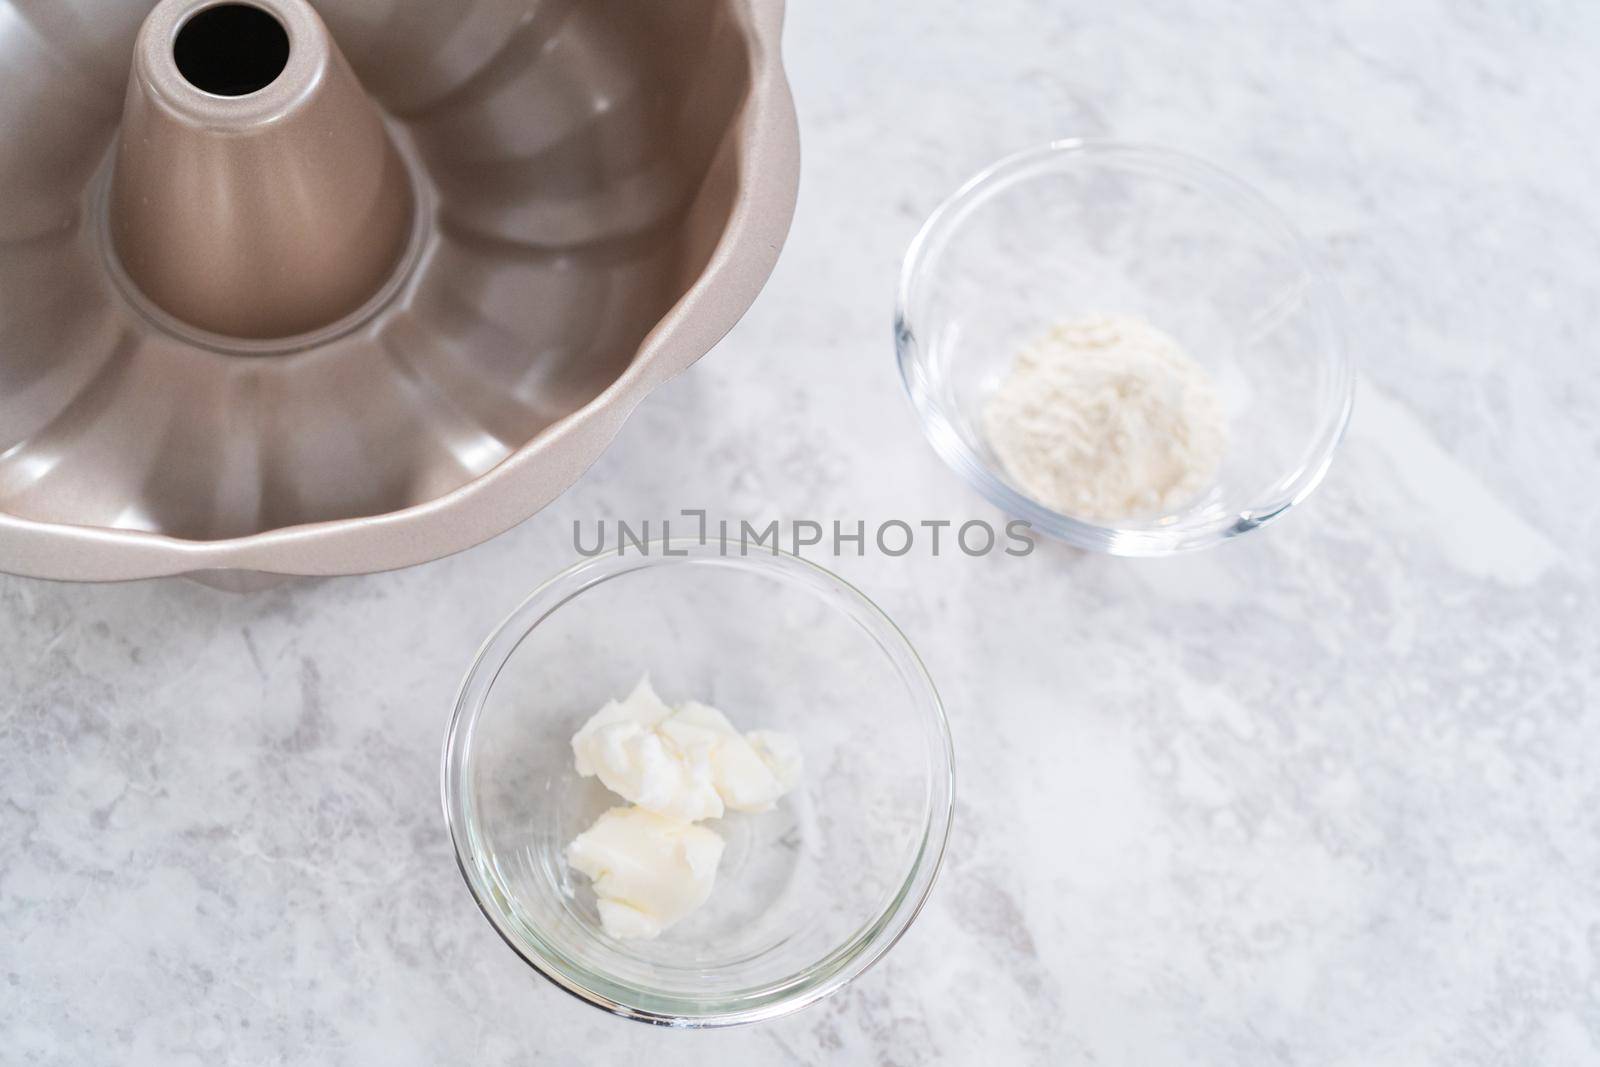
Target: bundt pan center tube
x=290 y=207
x=337 y=287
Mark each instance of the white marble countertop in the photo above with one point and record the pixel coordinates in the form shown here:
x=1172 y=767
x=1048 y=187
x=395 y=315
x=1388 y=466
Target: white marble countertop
x=1328 y=795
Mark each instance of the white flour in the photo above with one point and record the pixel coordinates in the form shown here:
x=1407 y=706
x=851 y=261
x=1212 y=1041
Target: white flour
x=1107 y=418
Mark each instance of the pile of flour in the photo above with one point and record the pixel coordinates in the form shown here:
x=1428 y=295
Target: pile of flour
x=1107 y=418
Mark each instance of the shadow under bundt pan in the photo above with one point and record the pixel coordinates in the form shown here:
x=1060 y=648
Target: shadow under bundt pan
x=369 y=299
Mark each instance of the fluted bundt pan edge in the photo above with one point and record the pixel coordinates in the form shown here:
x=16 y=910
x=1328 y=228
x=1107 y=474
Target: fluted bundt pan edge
x=739 y=215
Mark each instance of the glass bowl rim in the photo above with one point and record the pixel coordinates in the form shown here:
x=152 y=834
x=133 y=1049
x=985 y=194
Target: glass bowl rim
x=865 y=946
x=1131 y=540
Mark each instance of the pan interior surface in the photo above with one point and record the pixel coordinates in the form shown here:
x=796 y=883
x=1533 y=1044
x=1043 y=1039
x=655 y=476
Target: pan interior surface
x=562 y=155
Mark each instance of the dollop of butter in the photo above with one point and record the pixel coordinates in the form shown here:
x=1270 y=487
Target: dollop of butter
x=648 y=870
x=689 y=763
x=650 y=864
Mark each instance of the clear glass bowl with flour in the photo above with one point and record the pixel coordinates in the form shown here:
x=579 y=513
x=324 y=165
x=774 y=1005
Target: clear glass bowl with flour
x=1124 y=346
x=810 y=890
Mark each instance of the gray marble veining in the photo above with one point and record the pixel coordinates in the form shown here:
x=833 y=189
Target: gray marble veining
x=1327 y=795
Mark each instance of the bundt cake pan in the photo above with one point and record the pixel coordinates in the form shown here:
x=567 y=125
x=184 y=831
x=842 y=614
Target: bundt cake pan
x=332 y=287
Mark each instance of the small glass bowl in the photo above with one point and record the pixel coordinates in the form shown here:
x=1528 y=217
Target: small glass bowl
x=808 y=896
x=1091 y=227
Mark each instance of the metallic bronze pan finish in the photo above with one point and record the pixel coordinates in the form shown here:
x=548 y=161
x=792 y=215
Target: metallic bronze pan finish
x=369 y=299
x=270 y=212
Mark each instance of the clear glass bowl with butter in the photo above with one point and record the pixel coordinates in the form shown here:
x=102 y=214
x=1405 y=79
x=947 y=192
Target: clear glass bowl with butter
x=1079 y=229
x=807 y=895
